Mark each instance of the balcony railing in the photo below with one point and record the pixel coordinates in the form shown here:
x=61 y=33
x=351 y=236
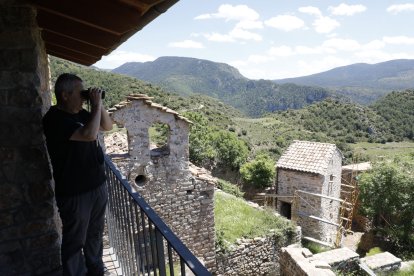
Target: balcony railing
x=141 y=241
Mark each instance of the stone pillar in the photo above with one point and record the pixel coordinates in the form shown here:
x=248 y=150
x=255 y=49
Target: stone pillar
x=29 y=235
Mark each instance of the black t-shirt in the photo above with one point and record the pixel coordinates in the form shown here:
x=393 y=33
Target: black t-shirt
x=77 y=166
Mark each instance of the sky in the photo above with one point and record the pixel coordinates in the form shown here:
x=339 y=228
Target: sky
x=275 y=39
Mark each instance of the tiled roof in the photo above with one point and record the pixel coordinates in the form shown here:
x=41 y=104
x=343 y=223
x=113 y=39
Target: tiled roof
x=307 y=156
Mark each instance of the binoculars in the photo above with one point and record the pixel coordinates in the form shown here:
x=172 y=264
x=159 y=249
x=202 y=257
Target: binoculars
x=85 y=94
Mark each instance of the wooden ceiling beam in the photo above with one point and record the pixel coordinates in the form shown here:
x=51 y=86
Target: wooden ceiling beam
x=70 y=57
x=107 y=15
x=67 y=42
x=141 y=5
x=63 y=48
x=68 y=52
x=76 y=30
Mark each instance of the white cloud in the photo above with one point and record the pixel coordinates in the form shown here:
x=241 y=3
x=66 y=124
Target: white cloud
x=216 y=37
x=394 y=9
x=237 y=33
x=311 y=10
x=258 y=59
x=401 y=40
x=374 y=45
x=186 y=44
x=325 y=24
x=307 y=67
x=281 y=51
x=229 y=12
x=305 y=50
x=117 y=58
x=247 y=20
x=348 y=10
x=341 y=44
x=285 y=22
x=249 y=25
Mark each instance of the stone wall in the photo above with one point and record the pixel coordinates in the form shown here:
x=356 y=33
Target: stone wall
x=29 y=236
x=181 y=195
x=258 y=256
x=301 y=262
x=332 y=188
x=288 y=181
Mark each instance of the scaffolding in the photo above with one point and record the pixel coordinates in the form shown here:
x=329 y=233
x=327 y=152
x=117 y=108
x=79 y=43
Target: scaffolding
x=296 y=214
x=349 y=192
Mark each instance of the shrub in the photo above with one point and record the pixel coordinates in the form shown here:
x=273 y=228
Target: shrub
x=229 y=188
x=260 y=172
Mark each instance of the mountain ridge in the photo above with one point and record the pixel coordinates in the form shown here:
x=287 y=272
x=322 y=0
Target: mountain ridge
x=370 y=81
x=189 y=76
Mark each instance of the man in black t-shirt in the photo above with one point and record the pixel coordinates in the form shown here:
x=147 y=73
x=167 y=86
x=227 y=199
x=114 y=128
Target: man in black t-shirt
x=77 y=161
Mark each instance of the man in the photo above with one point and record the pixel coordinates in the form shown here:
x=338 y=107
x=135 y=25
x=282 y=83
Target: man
x=77 y=161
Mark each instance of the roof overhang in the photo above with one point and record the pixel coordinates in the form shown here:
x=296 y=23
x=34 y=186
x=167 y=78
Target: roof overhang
x=84 y=31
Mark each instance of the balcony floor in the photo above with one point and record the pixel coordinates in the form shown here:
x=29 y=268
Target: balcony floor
x=111 y=265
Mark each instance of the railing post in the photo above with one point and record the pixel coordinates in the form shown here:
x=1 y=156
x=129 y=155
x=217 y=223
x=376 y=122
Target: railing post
x=160 y=252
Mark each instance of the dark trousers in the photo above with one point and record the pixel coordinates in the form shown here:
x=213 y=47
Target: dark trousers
x=83 y=219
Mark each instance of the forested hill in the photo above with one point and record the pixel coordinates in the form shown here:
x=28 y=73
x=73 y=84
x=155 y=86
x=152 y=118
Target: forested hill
x=187 y=76
x=390 y=119
x=364 y=83
x=118 y=86
x=397 y=108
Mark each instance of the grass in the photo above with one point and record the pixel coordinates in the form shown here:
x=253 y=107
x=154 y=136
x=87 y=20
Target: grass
x=378 y=152
x=314 y=247
x=373 y=251
x=235 y=219
x=409 y=272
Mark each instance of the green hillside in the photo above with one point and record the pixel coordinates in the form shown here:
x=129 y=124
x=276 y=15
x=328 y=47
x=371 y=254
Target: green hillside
x=118 y=86
x=397 y=109
x=188 y=76
x=343 y=123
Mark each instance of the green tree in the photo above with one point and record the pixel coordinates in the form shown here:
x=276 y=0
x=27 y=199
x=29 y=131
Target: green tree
x=210 y=147
x=260 y=172
x=231 y=151
x=202 y=151
x=387 y=196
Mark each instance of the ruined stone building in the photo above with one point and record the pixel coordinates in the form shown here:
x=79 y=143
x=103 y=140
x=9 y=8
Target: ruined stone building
x=162 y=174
x=310 y=172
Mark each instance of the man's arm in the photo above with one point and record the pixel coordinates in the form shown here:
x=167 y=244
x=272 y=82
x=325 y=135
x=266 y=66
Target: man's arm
x=89 y=132
x=106 y=121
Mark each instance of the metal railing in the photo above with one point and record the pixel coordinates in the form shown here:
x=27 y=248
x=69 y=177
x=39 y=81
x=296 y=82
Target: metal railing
x=141 y=241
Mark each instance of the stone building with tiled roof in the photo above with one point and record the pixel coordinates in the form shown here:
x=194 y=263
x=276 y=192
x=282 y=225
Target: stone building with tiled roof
x=314 y=168
x=181 y=195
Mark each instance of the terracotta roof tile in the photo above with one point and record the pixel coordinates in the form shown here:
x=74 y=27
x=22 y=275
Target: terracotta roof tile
x=307 y=156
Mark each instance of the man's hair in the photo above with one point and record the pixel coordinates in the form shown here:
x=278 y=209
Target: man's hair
x=65 y=82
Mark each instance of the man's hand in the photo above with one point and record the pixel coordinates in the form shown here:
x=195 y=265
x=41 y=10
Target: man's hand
x=89 y=132
x=95 y=95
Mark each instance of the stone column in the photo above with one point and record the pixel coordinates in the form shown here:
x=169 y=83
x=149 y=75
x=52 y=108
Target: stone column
x=29 y=235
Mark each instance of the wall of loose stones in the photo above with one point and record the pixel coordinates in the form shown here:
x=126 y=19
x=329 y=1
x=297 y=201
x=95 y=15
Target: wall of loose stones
x=258 y=256
x=29 y=236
